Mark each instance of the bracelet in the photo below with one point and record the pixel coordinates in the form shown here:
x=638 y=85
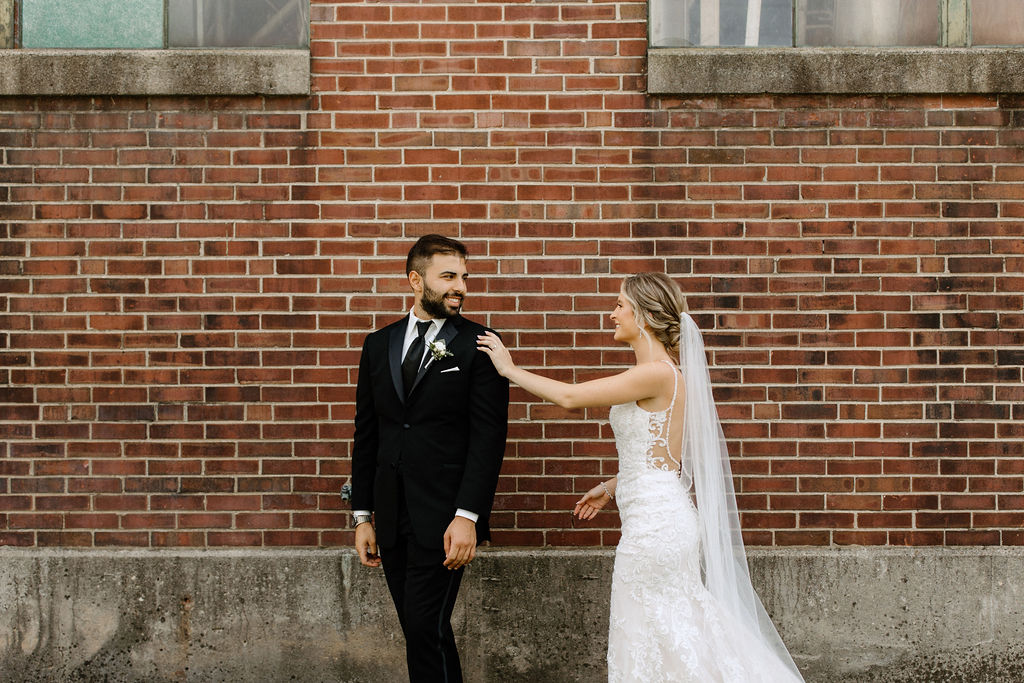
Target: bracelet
x=361 y=519
x=605 y=487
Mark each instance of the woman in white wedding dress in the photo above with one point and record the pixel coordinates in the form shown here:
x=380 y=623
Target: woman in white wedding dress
x=682 y=605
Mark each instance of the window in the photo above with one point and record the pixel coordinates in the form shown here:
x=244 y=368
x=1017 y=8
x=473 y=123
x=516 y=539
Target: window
x=163 y=23
x=154 y=47
x=997 y=22
x=867 y=22
x=679 y=23
x=836 y=23
x=836 y=46
x=6 y=24
x=236 y=23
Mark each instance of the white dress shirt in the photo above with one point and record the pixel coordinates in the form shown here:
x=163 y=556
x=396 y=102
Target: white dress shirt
x=411 y=333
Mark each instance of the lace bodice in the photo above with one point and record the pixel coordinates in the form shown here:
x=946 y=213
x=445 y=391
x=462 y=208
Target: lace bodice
x=648 y=439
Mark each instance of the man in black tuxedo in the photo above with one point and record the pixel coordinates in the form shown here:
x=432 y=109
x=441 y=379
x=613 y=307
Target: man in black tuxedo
x=431 y=421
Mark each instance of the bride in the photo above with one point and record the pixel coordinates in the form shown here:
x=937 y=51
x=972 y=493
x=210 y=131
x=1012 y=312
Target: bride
x=682 y=605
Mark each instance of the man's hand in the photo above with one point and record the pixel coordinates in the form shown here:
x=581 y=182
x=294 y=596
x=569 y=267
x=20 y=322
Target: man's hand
x=459 y=543
x=366 y=545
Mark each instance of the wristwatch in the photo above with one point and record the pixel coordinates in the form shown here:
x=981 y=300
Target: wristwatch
x=359 y=519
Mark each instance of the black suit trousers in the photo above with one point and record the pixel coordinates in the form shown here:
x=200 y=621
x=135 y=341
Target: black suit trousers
x=424 y=593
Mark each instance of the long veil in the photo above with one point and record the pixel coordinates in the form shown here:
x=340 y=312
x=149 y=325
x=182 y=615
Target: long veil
x=724 y=561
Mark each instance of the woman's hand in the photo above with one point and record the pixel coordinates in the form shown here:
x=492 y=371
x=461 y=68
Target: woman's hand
x=592 y=501
x=489 y=343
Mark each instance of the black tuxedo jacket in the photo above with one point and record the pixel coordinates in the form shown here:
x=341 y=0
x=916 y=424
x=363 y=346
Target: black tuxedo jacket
x=446 y=440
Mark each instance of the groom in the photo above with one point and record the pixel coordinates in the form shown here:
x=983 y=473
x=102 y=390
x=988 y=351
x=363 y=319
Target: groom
x=430 y=427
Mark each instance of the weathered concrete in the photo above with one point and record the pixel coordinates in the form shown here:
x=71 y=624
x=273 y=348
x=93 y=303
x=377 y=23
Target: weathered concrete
x=888 y=615
x=883 y=615
x=154 y=72
x=835 y=70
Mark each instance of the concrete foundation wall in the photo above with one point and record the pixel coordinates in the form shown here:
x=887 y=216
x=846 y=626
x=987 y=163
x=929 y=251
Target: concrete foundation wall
x=878 y=614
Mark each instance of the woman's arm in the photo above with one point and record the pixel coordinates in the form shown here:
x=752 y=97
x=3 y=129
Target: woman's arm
x=637 y=383
x=596 y=498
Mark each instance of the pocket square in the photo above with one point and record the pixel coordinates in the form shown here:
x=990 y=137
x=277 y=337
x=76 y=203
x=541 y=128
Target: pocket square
x=455 y=369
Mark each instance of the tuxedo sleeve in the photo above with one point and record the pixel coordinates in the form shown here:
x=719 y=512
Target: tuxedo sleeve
x=365 y=440
x=488 y=428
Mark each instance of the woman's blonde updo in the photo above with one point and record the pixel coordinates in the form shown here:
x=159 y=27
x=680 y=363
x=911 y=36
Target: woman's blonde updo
x=657 y=302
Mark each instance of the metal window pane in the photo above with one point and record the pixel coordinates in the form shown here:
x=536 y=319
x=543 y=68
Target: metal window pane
x=92 y=23
x=867 y=22
x=997 y=22
x=681 y=23
x=238 y=23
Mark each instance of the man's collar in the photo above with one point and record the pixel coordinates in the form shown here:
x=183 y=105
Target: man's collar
x=436 y=323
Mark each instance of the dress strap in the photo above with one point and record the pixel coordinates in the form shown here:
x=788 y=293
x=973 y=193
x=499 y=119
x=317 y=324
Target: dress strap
x=675 y=385
x=675 y=369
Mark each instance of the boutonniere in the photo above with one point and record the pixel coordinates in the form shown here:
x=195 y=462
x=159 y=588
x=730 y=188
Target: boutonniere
x=438 y=349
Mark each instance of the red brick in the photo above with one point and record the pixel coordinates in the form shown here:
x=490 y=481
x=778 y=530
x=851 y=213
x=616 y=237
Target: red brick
x=189 y=347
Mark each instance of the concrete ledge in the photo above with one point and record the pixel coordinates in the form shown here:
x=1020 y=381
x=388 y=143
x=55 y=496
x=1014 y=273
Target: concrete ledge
x=835 y=70
x=880 y=615
x=154 y=72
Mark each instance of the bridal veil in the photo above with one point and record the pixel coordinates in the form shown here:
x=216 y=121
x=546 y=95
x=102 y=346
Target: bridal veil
x=724 y=560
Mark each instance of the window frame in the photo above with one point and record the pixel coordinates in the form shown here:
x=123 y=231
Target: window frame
x=162 y=71
x=953 y=67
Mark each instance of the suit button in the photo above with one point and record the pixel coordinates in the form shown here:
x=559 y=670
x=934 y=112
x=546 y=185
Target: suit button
x=405 y=426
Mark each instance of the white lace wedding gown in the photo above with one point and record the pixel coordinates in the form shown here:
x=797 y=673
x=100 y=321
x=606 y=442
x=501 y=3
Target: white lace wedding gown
x=665 y=625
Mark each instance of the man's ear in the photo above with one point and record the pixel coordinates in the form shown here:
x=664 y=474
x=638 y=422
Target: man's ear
x=415 y=281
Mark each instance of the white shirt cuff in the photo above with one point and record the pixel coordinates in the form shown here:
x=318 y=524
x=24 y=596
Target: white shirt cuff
x=471 y=516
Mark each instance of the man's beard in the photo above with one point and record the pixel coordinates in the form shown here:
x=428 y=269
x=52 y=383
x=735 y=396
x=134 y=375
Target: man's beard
x=433 y=303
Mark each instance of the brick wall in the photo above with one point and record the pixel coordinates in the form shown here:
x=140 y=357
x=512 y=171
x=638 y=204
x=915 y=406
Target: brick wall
x=186 y=283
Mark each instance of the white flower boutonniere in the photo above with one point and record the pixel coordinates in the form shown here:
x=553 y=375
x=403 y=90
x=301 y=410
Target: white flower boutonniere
x=438 y=349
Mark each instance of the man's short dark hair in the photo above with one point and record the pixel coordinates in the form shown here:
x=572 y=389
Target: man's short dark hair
x=427 y=246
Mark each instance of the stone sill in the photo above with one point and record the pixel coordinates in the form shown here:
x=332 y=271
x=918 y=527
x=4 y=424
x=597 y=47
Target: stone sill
x=835 y=70
x=154 y=72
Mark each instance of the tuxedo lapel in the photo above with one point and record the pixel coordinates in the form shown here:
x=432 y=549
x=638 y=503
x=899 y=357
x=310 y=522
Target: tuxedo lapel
x=447 y=334
x=449 y=330
x=395 y=357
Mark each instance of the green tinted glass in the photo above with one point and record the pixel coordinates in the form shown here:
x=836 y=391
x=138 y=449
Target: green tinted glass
x=92 y=23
